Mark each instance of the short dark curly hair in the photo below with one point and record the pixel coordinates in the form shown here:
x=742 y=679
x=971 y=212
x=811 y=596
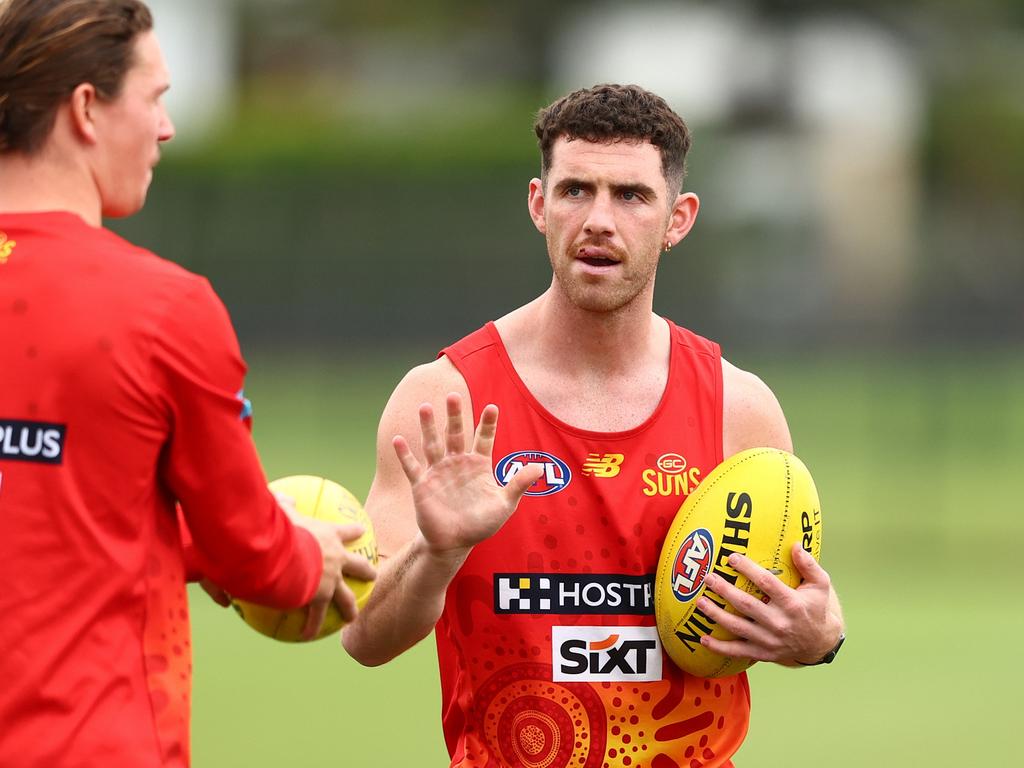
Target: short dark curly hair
x=609 y=113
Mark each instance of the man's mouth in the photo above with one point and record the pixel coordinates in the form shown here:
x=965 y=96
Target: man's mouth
x=596 y=257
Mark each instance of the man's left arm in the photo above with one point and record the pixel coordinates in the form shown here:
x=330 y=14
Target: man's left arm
x=794 y=626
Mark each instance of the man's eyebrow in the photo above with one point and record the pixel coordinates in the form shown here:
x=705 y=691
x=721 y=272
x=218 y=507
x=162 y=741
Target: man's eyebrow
x=639 y=188
x=570 y=182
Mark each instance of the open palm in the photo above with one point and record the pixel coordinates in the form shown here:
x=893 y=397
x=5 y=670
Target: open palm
x=458 y=503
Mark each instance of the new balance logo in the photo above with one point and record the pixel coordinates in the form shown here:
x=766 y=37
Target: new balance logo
x=603 y=464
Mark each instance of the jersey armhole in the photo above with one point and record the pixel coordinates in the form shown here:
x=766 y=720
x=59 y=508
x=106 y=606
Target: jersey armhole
x=719 y=405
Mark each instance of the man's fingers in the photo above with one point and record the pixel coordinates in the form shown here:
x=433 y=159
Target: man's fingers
x=736 y=649
x=809 y=568
x=350 y=531
x=454 y=433
x=522 y=480
x=433 y=450
x=315 y=614
x=745 y=603
x=740 y=626
x=762 y=578
x=410 y=465
x=483 y=443
x=286 y=502
x=345 y=602
x=358 y=567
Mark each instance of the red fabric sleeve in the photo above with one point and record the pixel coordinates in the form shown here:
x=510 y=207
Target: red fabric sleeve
x=240 y=538
x=194 y=570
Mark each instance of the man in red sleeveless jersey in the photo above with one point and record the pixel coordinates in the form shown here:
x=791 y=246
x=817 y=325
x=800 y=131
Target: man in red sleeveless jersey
x=539 y=584
x=120 y=397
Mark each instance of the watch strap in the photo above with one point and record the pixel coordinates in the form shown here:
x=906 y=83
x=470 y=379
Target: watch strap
x=829 y=657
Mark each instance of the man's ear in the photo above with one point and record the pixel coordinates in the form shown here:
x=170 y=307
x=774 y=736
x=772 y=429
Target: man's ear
x=82 y=106
x=682 y=217
x=536 y=205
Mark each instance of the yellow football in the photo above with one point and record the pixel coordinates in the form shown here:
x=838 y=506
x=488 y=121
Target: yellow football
x=757 y=503
x=322 y=499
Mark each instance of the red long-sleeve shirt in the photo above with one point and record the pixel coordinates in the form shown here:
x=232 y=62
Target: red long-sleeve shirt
x=120 y=396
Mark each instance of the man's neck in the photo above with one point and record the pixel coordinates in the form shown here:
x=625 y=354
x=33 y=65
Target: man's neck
x=604 y=372
x=44 y=182
x=574 y=340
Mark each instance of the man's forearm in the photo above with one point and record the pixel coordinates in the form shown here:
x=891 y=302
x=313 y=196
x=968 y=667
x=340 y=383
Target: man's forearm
x=406 y=603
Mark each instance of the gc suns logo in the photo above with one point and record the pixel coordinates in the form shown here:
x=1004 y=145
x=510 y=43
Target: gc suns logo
x=693 y=562
x=556 y=477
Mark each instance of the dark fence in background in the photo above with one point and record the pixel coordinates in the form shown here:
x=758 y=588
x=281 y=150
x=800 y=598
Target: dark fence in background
x=377 y=259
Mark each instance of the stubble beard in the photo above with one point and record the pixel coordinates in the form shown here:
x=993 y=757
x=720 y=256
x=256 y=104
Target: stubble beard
x=601 y=296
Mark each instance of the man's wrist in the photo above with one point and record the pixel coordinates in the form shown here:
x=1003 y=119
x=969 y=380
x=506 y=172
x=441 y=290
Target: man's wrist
x=830 y=655
x=445 y=559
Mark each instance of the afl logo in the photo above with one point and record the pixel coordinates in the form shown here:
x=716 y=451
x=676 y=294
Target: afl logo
x=692 y=563
x=556 y=472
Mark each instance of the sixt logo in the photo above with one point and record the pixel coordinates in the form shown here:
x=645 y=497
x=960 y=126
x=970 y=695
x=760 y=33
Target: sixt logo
x=32 y=441
x=670 y=477
x=608 y=654
x=556 y=477
x=692 y=563
x=603 y=465
x=573 y=593
x=6 y=247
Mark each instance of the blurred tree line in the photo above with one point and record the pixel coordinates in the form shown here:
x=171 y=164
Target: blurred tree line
x=370 y=182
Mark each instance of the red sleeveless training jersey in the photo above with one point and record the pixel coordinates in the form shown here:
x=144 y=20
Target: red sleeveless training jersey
x=548 y=648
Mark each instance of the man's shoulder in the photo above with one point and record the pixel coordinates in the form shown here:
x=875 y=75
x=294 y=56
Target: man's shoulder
x=693 y=340
x=479 y=340
x=143 y=265
x=438 y=377
x=155 y=296
x=752 y=416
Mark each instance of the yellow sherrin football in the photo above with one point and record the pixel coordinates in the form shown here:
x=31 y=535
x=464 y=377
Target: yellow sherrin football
x=757 y=503
x=322 y=499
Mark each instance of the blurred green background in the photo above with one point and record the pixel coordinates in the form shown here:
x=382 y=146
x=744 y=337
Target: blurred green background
x=352 y=177
x=913 y=460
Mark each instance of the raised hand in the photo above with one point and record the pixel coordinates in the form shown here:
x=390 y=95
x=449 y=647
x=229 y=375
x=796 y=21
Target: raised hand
x=791 y=626
x=458 y=502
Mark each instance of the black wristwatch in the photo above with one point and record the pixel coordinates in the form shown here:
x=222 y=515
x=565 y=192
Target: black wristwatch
x=828 y=657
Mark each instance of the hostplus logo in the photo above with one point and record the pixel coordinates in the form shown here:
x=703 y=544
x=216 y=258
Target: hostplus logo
x=573 y=593
x=33 y=441
x=556 y=477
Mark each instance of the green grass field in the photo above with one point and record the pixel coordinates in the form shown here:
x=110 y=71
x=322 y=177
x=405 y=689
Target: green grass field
x=915 y=465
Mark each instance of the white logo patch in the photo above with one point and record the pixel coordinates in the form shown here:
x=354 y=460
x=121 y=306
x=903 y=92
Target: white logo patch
x=607 y=654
